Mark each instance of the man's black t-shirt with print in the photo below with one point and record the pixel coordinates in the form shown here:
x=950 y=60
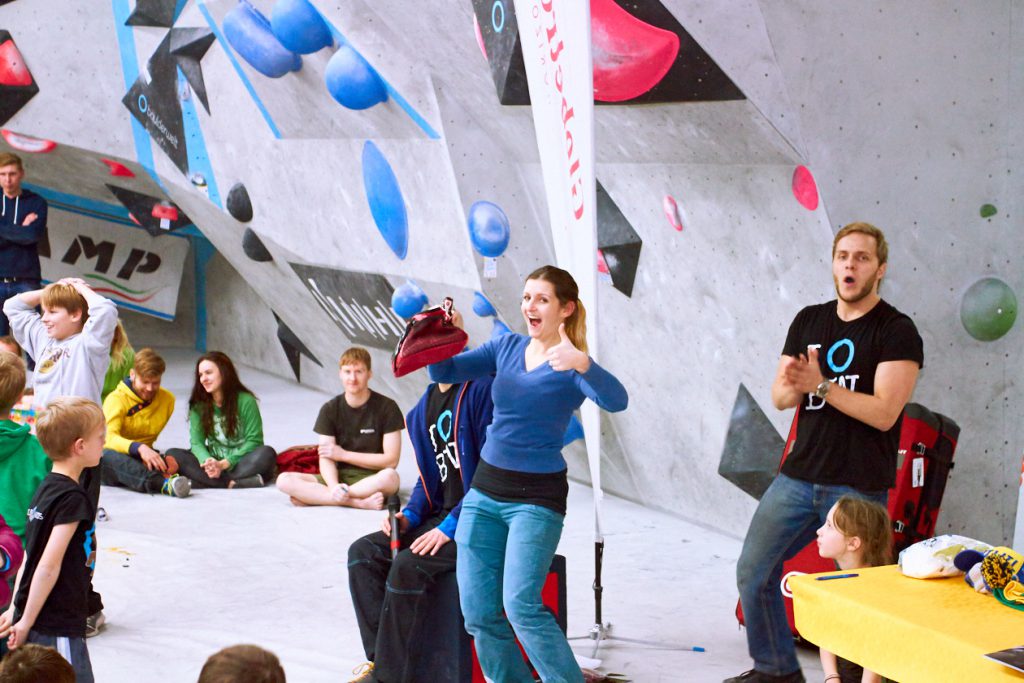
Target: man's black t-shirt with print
x=440 y=422
x=832 y=447
x=361 y=429
x=60 y=500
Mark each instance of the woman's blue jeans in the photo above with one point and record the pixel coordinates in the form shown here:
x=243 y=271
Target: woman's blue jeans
x=786 y=520
x=505 y=550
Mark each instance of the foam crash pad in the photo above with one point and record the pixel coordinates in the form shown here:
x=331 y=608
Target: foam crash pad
x=251 y=36
x=299 y=26
x=352 y=82
x=385 y=199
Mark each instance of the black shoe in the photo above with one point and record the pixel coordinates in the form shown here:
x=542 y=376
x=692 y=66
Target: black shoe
x=754 y=676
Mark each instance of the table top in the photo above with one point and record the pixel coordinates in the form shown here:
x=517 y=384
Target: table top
x=908 y=629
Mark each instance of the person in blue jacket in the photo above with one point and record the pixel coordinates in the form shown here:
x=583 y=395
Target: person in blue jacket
x=512 y=517
x=22 y=225
x=447 y=429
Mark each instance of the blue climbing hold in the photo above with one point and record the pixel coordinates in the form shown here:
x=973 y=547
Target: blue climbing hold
x=299 y=27
x=352 y=81
x=385 y=199
x=482 y=306
x=488 y=229
x=408 y=300
x=499 y=329
x=573 y=431
x=250 y=34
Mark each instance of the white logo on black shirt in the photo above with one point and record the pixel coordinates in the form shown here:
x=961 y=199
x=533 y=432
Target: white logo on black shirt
x=367 y=431
x=35 y=515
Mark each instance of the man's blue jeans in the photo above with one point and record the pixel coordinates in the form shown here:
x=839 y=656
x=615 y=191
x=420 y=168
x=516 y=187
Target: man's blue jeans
x=120 y=469
x=505 y=550
x=9 y=289
x=786 y=520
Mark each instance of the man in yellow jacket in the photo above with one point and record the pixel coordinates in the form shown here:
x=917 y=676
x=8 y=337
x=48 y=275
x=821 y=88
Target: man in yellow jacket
x=137 y=411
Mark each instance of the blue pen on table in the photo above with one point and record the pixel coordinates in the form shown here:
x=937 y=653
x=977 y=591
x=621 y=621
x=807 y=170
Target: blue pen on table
x=835 y=576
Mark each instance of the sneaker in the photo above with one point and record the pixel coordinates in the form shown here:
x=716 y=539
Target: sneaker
x=363 y=672
x=177 y=486
x=253 y=482
x=94 y=623
x=754 y=676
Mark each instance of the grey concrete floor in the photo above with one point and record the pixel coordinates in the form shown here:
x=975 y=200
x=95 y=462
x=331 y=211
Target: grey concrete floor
x=183 y=578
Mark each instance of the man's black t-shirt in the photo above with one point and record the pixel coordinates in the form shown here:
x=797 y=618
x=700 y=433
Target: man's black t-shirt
x=60 y=500
x=360 y=429
x=440 y=422
x=832 y=447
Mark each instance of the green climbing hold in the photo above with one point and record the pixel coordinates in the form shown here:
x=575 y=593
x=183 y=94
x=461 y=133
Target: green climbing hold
x=988 y=309
x=988 y=210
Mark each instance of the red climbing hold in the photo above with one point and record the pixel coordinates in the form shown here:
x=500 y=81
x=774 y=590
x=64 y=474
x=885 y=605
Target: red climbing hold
x=12 y=67
x=118 y=169
x=630 y=55
x=671 y=209
x=804 y=189
x=25 y=143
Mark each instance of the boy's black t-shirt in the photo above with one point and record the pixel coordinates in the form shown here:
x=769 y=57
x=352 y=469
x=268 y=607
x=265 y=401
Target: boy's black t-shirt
x=60 y=500
x=832 y=447
x=360 y=429
x=440 y=422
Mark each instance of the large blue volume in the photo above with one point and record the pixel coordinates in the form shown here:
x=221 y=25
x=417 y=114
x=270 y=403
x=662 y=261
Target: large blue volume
x=488 y=229
x=250 y=34
x=385 y=199
x=352 y=81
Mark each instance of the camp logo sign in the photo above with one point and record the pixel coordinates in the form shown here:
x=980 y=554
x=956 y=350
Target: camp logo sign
x=358 y=303
x=129 y=266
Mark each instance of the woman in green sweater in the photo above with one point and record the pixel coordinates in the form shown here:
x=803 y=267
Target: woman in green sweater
x=225 y=429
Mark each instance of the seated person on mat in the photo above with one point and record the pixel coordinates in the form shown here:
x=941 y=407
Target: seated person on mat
x=447 y=428
x=225 y=429
x=137 y=410
x=360 y=443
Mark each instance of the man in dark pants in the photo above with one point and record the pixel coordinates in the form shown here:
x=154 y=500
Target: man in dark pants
x=22 y=225
x=849 y=366
x=447 y=429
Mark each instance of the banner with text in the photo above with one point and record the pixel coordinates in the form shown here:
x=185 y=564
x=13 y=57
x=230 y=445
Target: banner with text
x=555 y=36
x=123 y=263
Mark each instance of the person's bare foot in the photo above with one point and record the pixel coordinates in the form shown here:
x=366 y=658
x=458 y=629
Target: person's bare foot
x=297 y=503
x=372 y=502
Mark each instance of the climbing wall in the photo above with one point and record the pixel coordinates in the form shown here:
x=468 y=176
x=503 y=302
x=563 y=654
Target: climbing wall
x=334 y=167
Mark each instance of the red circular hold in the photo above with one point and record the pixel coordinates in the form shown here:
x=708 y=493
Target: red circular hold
x=630 y=56
x=25 y=143
x=118 y=169
x=804 y=188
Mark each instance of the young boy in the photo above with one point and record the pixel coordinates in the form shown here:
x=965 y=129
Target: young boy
x=51 y=601
x=360 y=443
x=71 y=346
x=22 y=461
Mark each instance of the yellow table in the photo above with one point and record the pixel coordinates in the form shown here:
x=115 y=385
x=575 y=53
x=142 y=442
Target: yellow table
x=928 y=630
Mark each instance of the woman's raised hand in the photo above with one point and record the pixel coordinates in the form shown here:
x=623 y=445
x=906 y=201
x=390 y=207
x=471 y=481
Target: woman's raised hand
x=565 y=356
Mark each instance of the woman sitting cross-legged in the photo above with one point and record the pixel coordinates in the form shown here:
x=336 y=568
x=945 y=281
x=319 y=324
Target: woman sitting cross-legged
x=225 y=429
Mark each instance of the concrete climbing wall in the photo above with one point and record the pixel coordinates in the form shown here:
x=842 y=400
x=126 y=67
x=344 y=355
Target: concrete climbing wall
x=733 y=140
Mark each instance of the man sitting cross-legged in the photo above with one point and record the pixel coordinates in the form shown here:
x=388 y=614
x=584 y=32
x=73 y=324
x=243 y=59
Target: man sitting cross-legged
x=136 y=412
x=360 y=443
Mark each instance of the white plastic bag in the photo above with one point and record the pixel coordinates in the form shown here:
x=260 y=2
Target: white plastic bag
x=933 y=558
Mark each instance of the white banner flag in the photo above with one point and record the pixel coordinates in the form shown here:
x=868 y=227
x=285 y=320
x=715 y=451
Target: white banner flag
x=123 y=263
x=555 y=36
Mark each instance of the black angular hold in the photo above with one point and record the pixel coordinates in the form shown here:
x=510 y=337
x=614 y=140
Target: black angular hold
x=157 y=215
x=238 y=203
x=293 y=347
x=254 y=248
x=618 y=241
x=188 y=46
x=153 y=13
x=750 y=457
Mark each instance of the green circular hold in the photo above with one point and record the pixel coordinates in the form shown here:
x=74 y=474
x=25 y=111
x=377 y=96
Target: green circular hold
x=988 y=309
x=988 y=210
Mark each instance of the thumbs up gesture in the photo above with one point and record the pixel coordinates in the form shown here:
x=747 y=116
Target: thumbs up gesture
x=565 y=356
